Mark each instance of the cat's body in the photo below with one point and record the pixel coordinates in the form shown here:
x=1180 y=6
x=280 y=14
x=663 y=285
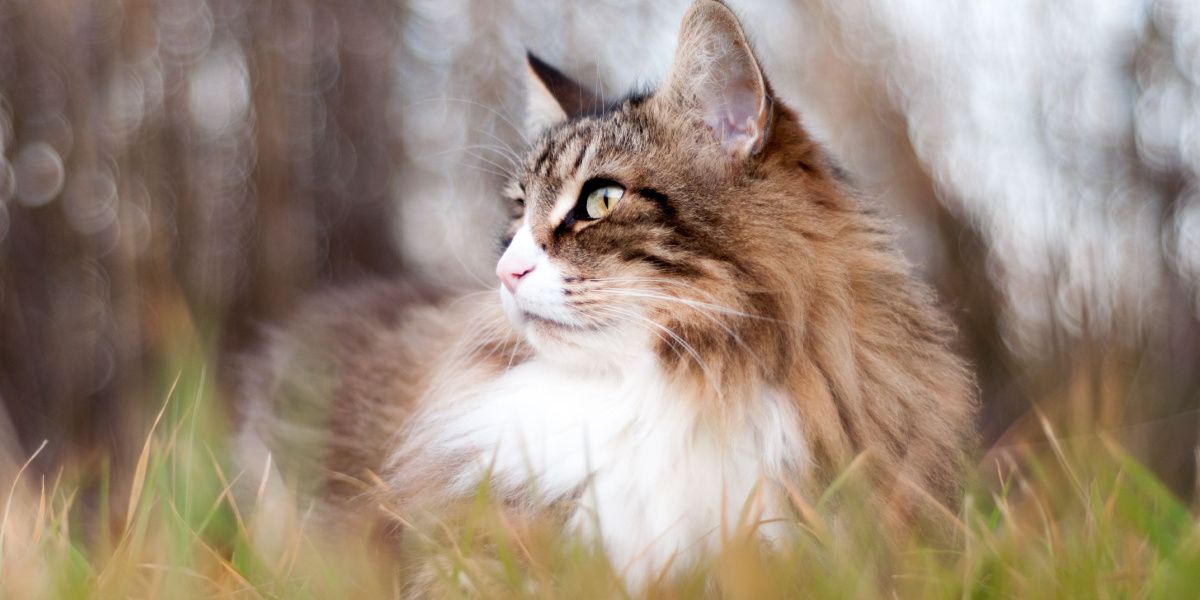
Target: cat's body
x=703 y=326
x=664 y=479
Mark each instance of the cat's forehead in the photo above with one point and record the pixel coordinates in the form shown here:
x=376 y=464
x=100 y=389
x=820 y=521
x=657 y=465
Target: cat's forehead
x=565 y=149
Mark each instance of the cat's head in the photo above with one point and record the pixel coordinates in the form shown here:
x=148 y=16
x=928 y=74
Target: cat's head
x=662 y=221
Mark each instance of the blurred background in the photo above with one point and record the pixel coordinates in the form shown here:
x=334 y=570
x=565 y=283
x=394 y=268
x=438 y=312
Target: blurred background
x=180 y=172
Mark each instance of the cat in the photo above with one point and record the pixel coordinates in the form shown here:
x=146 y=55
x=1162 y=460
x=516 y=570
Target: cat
x=697 y=319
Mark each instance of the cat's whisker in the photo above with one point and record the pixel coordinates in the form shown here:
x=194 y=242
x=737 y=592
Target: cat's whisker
x=460 y=298
x=712 y=380
x=503 y=172
x=705 y=313
x=620 y=318
x=487 y=331
x=600 y=83
x=471 y=152
x=442 y=153
x=511 y=356
x=483 y=169
x=465 y=350
x=454 y=244
x=691 y=350
x=518 y=130
x=503 y=145
x=636 y=293
x=655 y=281
x=499 y=171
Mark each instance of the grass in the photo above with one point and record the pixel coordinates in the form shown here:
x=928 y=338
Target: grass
x=1076 y=520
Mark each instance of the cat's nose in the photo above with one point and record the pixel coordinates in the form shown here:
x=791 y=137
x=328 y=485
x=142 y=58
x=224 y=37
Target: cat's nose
x=519 y=259
x=511 y=272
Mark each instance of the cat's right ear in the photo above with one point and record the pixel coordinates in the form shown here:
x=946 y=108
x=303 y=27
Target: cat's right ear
x=716 y=77
x=552 y=97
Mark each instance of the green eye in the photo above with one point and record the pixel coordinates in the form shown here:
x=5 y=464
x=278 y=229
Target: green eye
x=601 y=201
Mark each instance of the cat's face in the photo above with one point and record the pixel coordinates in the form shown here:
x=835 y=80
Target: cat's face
x=635 y=220
x=610 y=231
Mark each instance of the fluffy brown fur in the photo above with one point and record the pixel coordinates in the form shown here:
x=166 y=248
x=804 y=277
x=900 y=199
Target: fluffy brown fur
x=757 y=267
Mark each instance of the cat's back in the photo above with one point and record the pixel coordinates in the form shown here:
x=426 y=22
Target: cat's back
x=324 y=392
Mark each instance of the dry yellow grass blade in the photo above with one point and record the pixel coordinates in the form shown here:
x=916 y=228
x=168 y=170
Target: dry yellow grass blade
x=1061 y=455
x=12 y=492
x=226 y=490
x=39 y=520
x=139 y=473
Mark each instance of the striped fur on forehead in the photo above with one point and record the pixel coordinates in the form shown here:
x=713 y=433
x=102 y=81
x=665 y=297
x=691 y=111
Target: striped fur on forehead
x=565 y=151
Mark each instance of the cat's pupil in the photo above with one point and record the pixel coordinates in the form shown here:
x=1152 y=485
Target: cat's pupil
x=597 y=199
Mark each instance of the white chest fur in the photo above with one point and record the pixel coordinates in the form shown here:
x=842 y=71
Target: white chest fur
x=659 y=484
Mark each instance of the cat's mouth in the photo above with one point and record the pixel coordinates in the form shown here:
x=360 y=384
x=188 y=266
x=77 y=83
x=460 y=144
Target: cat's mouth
x=540 y=320
x=531 y=317
x=544 y=313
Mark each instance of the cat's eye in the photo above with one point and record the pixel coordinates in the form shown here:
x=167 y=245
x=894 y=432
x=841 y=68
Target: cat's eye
x=600 y=200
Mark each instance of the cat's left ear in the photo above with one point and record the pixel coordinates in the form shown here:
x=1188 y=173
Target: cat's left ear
x=716 y=74
x=552 y=97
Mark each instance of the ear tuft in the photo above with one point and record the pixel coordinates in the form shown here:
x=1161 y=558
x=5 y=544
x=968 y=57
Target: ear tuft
x=716 y=74
x=552 y=97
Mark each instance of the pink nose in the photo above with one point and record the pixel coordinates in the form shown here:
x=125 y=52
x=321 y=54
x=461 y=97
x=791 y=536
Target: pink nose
x=510 y=274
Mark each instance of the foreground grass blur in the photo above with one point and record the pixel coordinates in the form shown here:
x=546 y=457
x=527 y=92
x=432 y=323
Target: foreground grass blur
x=1079 y=519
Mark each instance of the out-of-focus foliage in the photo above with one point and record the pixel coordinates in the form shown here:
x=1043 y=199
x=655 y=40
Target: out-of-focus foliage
x=1077 y=520
x=178 y=157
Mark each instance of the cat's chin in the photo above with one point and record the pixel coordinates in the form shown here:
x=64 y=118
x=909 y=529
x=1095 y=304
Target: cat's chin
x=558 y=341
x=596 y=346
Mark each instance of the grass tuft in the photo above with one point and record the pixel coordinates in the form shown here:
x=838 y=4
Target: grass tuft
x=1076 y=517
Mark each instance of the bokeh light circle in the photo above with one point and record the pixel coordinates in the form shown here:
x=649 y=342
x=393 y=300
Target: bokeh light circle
x=39 y=174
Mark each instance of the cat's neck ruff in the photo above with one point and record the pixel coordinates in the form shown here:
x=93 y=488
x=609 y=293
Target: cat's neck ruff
x=644 y=470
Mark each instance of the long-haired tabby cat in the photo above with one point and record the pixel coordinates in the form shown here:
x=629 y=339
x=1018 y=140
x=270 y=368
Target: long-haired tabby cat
x=696 y=321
